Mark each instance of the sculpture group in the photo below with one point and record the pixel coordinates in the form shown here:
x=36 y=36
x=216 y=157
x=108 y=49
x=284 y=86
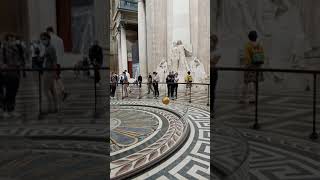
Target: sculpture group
x=181 y=60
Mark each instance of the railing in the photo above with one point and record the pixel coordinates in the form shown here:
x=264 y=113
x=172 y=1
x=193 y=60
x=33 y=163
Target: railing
x=36 y=76
x=199 y=92
x=313 y=73
x=131 y=5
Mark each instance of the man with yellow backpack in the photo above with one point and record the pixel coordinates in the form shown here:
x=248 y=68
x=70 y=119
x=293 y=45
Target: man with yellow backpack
x=254 y=58
x=188 y=81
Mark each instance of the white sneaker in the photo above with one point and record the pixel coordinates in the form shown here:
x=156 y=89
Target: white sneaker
x=6 y=115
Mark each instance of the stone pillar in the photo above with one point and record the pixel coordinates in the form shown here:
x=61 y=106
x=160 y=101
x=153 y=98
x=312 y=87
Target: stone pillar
x=102 y=26
x=64 y=22
x=41 y=14
x=120 y=70
x=181 y=21
x=142 y=36
x=124 y=52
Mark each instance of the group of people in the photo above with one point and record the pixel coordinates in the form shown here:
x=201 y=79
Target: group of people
x=153 y=81
x=47 y=52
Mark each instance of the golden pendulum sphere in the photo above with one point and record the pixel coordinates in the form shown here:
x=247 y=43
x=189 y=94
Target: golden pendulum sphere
x=166 y=100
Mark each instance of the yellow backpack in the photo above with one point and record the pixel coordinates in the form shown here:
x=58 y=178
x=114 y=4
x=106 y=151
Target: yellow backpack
x=188 y=78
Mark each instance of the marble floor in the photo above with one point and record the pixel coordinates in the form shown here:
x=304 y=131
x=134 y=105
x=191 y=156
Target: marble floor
x=74 y=139
x=281 y=149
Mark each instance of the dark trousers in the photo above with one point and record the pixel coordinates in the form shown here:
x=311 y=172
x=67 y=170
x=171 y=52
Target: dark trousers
x=97 y=75
x=140 y=84
x=169 y=86
x=11 y=86
x=156 y=89
x=175 y=89
x=172 y=90
x=113 y=90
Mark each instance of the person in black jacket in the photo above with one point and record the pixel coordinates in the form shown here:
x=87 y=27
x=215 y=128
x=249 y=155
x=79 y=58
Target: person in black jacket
x=140 y=80
x=96 y=58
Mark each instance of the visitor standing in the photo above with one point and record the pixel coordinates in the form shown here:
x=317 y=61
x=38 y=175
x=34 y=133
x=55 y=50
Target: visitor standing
x=21 y=55
x=125 y=84
x=188 y=81
x=140 y=80
x=172 y=77
x=169 y=85
x=176 y=81
x=214 y=59
x=57 y=43
x=150 y=84
x=254 y=59
x=156 y=81
x=37 y=61
x=49 y=77
x=10 y=79
x=127 y=74
x=96 y=58
x=117 y=78
x=113 y=84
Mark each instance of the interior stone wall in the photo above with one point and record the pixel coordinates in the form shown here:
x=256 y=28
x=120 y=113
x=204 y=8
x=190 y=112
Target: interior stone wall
x=163 y=29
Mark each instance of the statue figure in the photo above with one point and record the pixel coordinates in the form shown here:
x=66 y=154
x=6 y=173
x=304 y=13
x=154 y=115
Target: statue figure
x=173 y=61
x=183 y=65
x=162 y=70
x=197 y=71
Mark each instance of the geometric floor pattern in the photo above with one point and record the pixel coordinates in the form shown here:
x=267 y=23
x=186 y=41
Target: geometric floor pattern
x=149 y=132
x=192 y=160
x=72 y=142
x=281 y=149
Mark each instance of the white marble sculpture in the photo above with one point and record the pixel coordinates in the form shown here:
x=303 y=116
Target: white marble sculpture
x=163 y=70
x=197 y=71
x=173 y=61
x=183 y=65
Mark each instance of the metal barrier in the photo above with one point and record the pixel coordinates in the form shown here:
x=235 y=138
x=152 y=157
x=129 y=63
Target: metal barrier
x=314 y=134
x=139 y=89
x=39 y=74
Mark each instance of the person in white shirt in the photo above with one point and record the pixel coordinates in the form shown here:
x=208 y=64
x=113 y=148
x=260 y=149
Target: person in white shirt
x=57 y=43
x=127 y=74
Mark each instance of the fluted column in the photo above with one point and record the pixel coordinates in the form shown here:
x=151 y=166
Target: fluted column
x=142 y=35
x=124 y=52
x=120 y=70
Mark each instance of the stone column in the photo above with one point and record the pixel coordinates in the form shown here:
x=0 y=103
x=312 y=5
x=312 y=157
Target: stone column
x=142 y=36
x=124 y=52
x=41 y=14
x=120 y=70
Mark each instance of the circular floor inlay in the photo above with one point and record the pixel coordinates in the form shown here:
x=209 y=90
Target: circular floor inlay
x=131 y=127
x=142 y=134
x=114 y=123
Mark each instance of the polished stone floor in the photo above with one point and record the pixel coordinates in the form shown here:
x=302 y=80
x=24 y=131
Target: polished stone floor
x=73 y=141
x=281 y=149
